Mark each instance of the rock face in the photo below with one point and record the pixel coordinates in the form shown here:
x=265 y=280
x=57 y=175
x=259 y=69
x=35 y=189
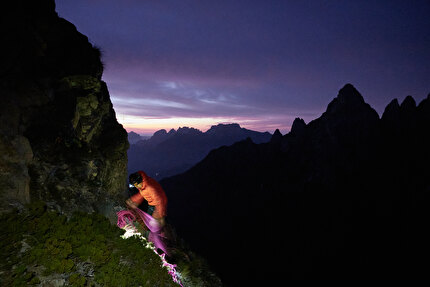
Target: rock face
x=169 y=153
x=344 y=196
x=59 y=138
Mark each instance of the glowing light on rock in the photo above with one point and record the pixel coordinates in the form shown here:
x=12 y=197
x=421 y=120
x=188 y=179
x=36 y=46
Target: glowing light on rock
x=125 y=221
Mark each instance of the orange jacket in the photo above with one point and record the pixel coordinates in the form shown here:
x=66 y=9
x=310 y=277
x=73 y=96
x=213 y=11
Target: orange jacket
x=154 y=194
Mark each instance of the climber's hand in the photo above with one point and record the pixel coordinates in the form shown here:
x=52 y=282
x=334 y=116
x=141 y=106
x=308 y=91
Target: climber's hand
x=161 y=221
x=131 y=204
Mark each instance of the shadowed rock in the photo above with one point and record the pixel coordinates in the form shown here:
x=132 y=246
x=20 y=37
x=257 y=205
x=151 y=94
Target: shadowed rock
x=59 y=138
x=332 y=200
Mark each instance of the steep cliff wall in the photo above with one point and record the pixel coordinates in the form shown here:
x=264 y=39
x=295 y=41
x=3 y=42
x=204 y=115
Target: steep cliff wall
x=59 y=137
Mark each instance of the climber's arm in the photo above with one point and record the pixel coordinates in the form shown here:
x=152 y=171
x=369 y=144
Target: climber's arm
x=134 y=201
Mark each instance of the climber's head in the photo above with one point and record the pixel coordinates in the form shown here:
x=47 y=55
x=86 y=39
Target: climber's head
x=135 y=179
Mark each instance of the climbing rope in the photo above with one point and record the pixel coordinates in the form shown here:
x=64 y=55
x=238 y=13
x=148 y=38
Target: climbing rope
x=154 y=242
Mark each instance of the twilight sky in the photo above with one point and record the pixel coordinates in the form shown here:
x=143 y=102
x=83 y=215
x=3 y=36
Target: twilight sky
x=170 y=64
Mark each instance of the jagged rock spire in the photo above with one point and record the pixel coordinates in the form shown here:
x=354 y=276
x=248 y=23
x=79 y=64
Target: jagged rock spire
x=348 y=97
x=298 y=127
x=392 y=111
x=408 y=104
x=276 y=137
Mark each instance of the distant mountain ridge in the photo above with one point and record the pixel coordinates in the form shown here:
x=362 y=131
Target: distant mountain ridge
x=169 y=153
x=134 y=137
x=342 y=197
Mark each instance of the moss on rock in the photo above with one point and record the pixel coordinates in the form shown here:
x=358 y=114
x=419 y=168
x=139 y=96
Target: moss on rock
x=85 y=82
x=57 y=245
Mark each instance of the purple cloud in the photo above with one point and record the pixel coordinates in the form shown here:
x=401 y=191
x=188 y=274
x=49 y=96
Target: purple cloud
x=259 y=63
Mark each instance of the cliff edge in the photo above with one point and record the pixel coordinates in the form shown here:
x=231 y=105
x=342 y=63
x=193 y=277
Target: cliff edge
x=60 y=141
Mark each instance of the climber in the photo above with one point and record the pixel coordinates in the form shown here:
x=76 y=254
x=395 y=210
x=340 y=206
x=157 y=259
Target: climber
x=150 y=190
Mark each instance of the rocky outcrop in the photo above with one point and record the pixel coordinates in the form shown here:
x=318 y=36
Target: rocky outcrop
x=59 y=137
x=62 y=150
x=298 y=126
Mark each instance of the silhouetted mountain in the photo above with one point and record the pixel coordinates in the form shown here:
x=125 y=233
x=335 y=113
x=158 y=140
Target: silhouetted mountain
x=277 y=136
x=343 y=197
x=173 y=152
x=298 y=127
x=134 y=137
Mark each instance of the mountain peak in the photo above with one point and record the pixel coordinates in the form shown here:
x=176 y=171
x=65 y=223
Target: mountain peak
x=187 y=131
x=277 y=133
x=408 y=103
x=349 y=94
x=161 y=132
x=391 y=111
x=132 y=133
x=349 y=100
x=221 y=127
x=277 y=136
x=298 y=126
x=159 y=136
x=133 y=137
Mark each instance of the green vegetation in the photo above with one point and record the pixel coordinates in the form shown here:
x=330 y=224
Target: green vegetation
x=85 y=249
x=85 y=82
